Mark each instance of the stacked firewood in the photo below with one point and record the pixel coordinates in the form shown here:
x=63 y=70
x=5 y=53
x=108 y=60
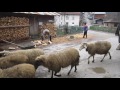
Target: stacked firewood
x=14 y=28
x=51 y=27
x=13 y=34
x=10 y=21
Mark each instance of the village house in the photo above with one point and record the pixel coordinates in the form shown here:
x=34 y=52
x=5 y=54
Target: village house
x=111 y=23
x=98 y=17
x=111 y=19
x=72 y=18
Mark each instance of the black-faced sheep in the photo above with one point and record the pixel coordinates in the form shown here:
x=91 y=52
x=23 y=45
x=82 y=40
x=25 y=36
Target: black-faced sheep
x=57 y=60
x=18 y=71
x=99 y=47
x=30 y=53
x=11 y=60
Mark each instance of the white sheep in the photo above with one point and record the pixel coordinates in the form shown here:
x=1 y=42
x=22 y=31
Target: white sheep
x=18 y=71
x=99 y=47
x=30 y=53
x=57 y=60
x=11 y=60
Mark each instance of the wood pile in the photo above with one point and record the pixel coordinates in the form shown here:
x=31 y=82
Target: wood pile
x=51 y=27
x=14 y=28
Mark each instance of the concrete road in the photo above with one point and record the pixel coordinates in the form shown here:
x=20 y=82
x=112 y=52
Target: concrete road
x=106 y=69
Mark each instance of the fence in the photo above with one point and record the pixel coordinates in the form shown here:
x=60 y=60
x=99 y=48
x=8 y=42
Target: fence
x=102 y=28
x=71 y=30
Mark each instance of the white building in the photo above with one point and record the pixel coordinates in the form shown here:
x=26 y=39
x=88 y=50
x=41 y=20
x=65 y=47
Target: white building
x=72 y=18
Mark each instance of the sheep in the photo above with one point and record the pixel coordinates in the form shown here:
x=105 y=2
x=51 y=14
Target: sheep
x=99 y=47
x=11 y=60
x=18 y=71
x=57 y=60
x=30 y=53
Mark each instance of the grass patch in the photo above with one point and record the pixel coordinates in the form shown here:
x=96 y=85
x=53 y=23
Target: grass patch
x=71 y=30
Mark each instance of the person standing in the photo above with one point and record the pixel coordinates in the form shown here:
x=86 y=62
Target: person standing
x=117 y=33
x=85 y=29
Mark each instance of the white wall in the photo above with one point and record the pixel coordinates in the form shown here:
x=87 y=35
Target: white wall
x=57 y=20
x=61 y=20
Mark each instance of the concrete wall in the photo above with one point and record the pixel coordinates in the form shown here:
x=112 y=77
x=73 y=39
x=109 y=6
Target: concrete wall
x=109 y=24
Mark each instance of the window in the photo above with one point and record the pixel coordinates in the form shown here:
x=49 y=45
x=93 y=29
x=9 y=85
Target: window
x=40 y=23
x=107 y=24
x=67 y=18
x=73 y=18
x=67 y=23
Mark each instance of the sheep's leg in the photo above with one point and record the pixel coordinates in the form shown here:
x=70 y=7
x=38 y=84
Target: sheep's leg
x=88 y=59
x=109 y=55
x=75 y=68
x=52 y=74
x=93 y=59
x=70 y=70
x=103 y=57
x=57 y=75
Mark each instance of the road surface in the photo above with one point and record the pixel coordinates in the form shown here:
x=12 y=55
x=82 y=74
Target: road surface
x=106 y=69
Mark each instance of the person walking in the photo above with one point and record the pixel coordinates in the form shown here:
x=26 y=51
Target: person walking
x=117 y=33
x=85 y=29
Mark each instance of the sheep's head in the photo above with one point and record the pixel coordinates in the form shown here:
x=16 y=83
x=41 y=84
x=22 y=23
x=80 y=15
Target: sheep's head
x=39 y=61
x=4 y=53
x=82 y=46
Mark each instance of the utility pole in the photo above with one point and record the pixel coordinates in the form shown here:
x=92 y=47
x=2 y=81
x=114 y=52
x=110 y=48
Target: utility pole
x=64 y=17
x=93 y=16
x=119 y=17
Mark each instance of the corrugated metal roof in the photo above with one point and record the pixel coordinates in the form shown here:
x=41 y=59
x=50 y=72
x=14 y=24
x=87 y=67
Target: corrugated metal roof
x=70 y=13
x=40 y=13
x=99 y=12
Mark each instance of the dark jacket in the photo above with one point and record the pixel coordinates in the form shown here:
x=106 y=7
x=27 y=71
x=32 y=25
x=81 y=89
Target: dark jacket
x=117 y=33
x=117 y=30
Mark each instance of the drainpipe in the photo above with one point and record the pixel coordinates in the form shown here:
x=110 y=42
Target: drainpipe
x=64 y=18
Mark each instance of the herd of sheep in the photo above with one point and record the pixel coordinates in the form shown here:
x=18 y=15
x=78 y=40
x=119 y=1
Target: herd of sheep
x=23 y=63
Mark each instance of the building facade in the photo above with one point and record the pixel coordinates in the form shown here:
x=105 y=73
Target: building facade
x=99 y=17
x=72 y=18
